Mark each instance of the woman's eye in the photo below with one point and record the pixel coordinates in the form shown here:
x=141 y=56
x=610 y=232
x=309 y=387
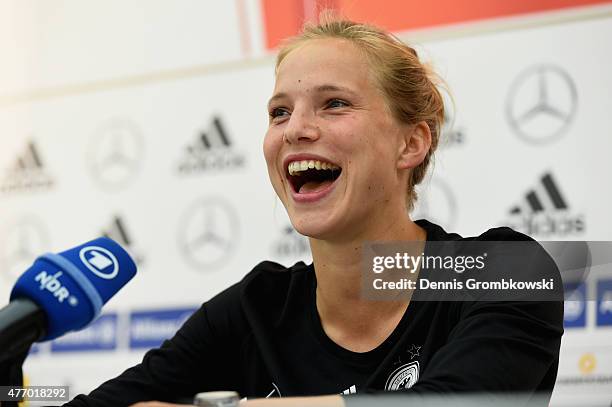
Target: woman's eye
x=333 y=103
x=278 y=112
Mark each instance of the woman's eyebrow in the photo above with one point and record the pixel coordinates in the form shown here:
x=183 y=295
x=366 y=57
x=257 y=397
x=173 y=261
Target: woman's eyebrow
x=320 y=88
x=332 y=88
x=280 y=95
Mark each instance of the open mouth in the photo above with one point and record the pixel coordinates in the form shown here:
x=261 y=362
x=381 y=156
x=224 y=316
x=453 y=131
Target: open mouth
x=308 y=176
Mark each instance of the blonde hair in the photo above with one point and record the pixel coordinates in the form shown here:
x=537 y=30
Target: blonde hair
x=409 y=86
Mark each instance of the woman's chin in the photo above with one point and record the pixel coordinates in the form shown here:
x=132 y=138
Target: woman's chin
x=316 y=228
x=311 y=228
x=309 y=231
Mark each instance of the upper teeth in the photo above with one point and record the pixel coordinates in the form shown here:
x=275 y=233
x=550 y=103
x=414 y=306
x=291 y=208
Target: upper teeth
x=296 y=166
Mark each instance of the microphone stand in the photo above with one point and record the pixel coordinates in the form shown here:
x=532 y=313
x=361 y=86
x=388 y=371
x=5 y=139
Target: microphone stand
x=11 y=374
x=22 y=324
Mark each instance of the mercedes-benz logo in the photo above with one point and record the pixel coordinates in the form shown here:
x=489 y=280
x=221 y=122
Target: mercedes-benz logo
x=22 y=242
x=115 y=153
x=208 y=233
x=541 y=103
x=436 y=203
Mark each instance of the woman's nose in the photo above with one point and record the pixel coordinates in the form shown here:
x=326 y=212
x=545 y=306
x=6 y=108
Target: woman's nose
x=301 y=128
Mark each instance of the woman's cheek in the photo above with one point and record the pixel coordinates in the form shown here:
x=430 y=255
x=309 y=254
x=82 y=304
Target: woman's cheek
x=271 y=147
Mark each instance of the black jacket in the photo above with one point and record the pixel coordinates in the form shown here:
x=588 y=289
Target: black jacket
x=262 y=337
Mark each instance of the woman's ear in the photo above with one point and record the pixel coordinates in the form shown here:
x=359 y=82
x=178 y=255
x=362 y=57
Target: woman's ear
x=414 y=146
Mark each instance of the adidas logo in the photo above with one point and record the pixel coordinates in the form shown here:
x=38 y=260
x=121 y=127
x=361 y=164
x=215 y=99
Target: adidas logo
x=452 y=134
x=211 y=150
x=547 y=194
x=118 y=232
x=350 y=390
x=27 y=173
x=291 y=244
x=544 y=212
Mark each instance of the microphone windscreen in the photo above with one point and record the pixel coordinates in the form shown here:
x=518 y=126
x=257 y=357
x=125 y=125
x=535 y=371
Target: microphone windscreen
x=72 y=286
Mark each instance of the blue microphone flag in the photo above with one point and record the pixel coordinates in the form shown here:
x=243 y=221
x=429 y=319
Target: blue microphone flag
x=72 y=286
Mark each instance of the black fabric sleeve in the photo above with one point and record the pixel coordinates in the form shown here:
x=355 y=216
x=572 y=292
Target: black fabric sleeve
x=194 y=360
x=497 y=347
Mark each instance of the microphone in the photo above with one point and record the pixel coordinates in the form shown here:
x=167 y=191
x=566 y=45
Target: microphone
x=62 y=292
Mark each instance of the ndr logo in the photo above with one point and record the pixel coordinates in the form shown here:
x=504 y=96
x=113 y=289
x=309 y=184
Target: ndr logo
x=51 y=283
x=212 y=150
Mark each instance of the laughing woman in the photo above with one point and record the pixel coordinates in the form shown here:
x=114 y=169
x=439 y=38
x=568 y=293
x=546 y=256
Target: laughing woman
x=354 y=119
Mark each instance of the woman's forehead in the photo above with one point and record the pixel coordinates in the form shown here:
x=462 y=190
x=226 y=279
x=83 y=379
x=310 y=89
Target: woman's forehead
x=322 y=61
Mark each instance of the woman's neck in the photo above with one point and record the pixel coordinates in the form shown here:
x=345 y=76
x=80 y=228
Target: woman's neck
x=338 y=270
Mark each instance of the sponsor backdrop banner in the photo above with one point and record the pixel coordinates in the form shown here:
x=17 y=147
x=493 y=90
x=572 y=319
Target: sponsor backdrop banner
x=163 y=153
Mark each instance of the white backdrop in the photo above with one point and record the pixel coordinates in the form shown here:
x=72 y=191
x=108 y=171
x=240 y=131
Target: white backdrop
x=144 y=121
